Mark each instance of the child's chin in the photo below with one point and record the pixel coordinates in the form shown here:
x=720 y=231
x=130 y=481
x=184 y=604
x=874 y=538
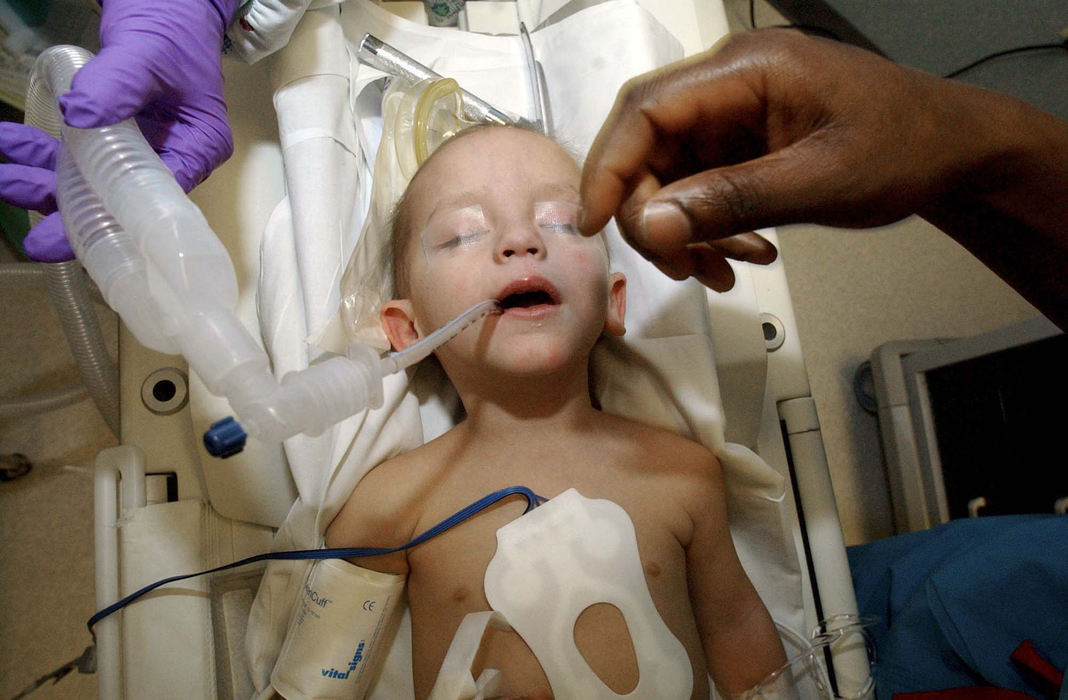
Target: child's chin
x=537 y=364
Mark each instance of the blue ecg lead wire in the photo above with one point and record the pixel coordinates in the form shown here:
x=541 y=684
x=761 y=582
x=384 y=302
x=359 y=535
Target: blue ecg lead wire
x=533 y=501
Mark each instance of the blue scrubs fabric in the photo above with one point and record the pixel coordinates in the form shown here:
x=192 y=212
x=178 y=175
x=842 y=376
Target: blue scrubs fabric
x=954 y=602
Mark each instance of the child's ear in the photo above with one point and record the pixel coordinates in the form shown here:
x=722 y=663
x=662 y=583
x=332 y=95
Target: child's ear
x=398 y=322
x=617 y=304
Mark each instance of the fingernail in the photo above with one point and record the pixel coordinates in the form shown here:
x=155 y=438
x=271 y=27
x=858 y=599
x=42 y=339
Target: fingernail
x=665 y=224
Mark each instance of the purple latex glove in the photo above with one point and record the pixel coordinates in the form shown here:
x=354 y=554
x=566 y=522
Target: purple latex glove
x=29 y=182
x=159 y=60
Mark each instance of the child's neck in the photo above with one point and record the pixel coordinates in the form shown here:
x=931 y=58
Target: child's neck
x=534 y=407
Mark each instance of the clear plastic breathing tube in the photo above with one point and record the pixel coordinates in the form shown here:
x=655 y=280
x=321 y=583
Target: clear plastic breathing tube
x=804 y=675
x=395 y=362
x=159 y=265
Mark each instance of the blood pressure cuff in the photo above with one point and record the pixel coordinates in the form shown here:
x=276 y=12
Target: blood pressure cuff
x=956 y=601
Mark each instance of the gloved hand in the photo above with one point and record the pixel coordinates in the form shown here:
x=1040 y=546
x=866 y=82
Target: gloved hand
x=29 y=182
x=159 y=60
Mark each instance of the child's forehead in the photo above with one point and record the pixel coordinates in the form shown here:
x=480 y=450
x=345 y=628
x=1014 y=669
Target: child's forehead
x=488 y=156
x=435 y=201
x=491 y=138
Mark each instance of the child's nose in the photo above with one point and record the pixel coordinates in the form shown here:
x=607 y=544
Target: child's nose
x=521 y=239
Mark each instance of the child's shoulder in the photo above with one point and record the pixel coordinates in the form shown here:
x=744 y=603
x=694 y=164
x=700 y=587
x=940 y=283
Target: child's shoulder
x=663 y=448
x=399 y=480
x=654 y=436
x=387 y=502
x=680 y=471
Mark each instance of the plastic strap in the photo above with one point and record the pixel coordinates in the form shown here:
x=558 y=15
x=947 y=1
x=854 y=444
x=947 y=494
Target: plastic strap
x=454 y=681
x=533 y=501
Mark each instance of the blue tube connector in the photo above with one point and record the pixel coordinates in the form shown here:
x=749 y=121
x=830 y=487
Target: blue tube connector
x=225 y=438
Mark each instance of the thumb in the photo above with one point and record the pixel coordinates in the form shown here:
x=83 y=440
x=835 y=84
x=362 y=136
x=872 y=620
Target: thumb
x=786 y=186
x=110 y=88
x=47 y=241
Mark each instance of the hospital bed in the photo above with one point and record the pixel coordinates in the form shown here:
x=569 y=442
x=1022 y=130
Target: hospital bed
x=287 y=206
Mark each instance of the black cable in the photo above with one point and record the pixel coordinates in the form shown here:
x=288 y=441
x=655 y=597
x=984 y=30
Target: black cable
x=86 y=663
x=1006 y=52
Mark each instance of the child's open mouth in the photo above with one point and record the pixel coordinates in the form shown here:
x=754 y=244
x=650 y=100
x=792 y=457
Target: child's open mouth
x=529 y=297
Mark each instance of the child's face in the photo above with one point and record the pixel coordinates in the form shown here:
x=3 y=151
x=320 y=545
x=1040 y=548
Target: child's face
x=494 y=216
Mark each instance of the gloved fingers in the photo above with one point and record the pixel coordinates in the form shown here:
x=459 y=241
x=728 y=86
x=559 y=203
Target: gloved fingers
x=111 y=87
x=47 y=241
x=28 y=187
x=186 y=175
x=191 y=146
x=29 y=182
x=27 y=145
x=154 y=51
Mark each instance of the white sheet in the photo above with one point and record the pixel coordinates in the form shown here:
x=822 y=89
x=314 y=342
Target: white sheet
x=662 y=372
x=156 y=541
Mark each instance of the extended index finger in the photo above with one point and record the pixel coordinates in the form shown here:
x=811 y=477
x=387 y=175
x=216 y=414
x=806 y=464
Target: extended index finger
x=697 y=100
x=647 y=108
x=617 y=155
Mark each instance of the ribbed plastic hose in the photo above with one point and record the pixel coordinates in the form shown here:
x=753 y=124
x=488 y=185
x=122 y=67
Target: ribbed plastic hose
x=70 y=298
x=69 y=293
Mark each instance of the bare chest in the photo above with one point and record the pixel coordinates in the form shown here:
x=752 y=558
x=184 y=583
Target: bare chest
x=447 y=574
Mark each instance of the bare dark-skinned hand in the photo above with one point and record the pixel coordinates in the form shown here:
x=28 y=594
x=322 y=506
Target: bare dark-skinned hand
x=774 y=127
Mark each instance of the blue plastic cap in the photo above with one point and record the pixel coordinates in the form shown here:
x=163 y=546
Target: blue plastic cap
x=225 y=438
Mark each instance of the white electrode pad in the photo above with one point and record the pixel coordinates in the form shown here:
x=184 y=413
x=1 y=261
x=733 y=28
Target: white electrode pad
x=561 y=558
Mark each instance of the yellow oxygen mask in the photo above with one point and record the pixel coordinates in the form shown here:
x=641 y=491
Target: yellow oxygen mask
x=425 y=115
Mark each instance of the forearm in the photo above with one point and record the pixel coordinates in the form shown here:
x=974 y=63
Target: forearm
x=743 y=649
x=1008 y=207
x=1031 y=262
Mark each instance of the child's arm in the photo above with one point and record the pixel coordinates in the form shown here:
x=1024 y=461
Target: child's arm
x=374 y=516
x=739 y=638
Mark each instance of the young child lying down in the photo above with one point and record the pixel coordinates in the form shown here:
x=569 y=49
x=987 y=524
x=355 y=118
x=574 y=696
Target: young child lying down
x=493 y=213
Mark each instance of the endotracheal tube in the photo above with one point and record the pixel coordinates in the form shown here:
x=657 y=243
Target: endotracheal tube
x=315 y=398
x=162 y=269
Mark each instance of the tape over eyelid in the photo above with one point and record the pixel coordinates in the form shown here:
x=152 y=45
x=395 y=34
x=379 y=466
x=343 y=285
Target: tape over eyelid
x=557 y=212
x=444 y=227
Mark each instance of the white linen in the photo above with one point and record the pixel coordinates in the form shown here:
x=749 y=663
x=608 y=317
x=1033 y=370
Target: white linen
x=261 y=27
x=175 y=622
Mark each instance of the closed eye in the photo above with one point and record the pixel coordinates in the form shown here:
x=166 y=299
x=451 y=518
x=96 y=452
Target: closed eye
x=461 y=240
x=560 y=227
x=557 y=217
